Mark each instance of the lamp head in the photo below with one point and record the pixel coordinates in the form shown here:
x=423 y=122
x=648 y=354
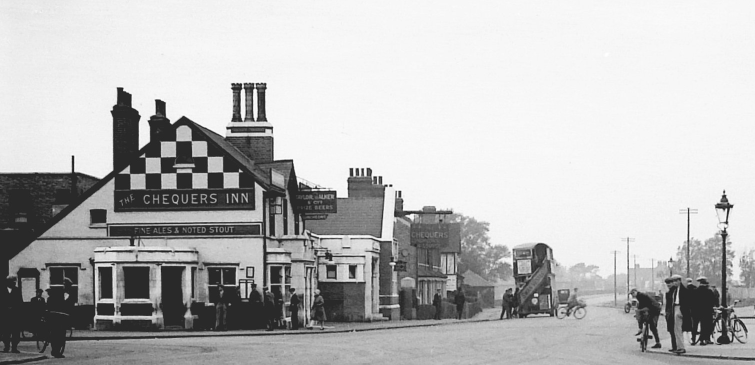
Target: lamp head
x=723 y=208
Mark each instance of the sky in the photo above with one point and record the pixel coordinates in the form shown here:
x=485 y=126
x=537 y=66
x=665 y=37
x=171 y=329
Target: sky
x=574 y=123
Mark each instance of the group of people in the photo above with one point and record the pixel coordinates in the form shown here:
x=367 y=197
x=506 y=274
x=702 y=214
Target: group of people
x=267 y=308
x=459 y=299
x=51 y=316
x=688 y=308
x=510 y=302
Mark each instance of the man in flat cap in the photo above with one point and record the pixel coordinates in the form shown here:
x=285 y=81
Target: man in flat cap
x=60 y=308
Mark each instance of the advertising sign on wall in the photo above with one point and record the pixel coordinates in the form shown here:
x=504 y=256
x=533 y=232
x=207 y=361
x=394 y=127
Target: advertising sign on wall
x=185 y=230
x=194 y=199
x=320 y=201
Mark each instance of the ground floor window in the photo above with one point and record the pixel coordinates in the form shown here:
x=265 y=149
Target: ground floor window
x=136 y=282
x=220 y=276
x=106 y=282
x=58 y=276
x=280 y=281
x=331 y=271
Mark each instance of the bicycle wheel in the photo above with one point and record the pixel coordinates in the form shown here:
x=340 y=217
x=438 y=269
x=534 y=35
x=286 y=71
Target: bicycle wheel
x=580 y=312
x=627 y=307
x=644 y=338
x=739 y=330
x=561 y=312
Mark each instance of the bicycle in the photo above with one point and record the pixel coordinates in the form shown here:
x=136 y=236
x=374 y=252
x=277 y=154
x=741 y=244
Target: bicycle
x=645 y=333
x=579 y=311
x=735 y=325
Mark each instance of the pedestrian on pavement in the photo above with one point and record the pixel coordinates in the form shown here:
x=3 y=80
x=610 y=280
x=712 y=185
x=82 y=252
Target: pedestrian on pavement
x=678 y=307
x=507 y=300
x=716 y=294
x=460 y=299
x=648 y=310
x=38 y=306
x=11 y=313
x=516 y=303
x=221 y=309
x=280 y=317
x=60 y=308
x=294 y=309
x=690 y=333
x=703 y=310
x=318 y=310
x=270 y=308
x=257 y=306
x=438 y=304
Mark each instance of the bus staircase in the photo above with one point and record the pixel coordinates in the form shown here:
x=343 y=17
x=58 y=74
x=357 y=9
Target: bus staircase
x=536 y=281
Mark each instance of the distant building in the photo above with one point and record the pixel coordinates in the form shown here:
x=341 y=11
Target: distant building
x=28 y=202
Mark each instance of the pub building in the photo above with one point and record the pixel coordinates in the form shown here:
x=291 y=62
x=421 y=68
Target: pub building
x=148 y=246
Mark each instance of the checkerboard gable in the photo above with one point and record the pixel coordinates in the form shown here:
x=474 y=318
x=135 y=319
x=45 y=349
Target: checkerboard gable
x=156 y=168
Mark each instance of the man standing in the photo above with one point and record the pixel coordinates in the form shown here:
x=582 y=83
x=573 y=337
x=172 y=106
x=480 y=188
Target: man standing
x=294 y=309
x=258 y=308
x=693 y=301
x=270 y=308
x=460 y=299
x=38 y=306
x=652 y=310
x=679 y=309
x=11 y=304
x=221 y=309
x=706 y=300
x=61 y=306
x=438 y=304
x=507 y=300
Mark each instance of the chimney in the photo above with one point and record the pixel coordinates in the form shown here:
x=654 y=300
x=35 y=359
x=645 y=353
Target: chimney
x=74 y=179
x=261 y=102
x=428 y=218
x=399 y=201
x=125 y=130
x=249 y=90
x=253 y=138
x=159 y=124
x=364 y=185
x=236 y=103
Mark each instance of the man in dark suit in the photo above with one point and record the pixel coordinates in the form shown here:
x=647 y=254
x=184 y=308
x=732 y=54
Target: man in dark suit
x=60 y=308
x=294 y=309
x=438 y=304
x=270 y=308
x=10 y=310
x=258 y=307
x=703 y=310
x=460 y=299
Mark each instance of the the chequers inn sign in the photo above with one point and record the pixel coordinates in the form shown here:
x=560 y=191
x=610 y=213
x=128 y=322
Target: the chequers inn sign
x=195 y=199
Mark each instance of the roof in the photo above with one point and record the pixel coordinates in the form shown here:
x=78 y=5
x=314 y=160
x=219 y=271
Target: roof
x=246 y=164
x=528 y=245
x=425 y=272
x=356 y=215
x=472 y=279
x=23 y=174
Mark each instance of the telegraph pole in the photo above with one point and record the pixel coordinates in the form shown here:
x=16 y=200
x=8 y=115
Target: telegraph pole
x=614 y=278
x=688 y=211
x=635 y=270
x=629 y=239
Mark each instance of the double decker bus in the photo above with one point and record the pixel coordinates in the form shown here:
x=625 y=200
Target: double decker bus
x=533 y=275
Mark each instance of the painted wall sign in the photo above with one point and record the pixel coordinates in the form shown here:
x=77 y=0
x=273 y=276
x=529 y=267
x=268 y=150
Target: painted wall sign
x=322 y=201
x=429 y=235
x=185 y=230
x=195 y=199
x=315 y=217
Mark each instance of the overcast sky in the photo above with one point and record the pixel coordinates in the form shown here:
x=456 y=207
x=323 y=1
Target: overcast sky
x=573 y=123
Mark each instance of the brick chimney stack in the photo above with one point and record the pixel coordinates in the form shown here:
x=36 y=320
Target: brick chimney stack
x=399 y=201
x=159 y=124
x=364 y=185
x=125 y=130
x=253 y=138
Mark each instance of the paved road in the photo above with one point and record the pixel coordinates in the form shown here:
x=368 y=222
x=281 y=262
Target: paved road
x=603 y=337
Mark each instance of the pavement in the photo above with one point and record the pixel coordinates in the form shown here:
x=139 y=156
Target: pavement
x=733 y=351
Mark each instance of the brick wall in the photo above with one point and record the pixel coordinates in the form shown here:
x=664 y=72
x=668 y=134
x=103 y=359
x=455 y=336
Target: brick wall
x=259 y=149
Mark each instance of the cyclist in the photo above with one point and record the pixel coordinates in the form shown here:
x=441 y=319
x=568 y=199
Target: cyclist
x=648 y=310
x=572 y=302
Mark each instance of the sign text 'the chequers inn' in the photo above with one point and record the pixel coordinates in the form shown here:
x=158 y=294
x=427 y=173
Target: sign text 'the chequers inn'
x=198 y=199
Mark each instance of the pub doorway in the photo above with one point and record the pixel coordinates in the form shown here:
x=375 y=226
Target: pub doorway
x=172 y=294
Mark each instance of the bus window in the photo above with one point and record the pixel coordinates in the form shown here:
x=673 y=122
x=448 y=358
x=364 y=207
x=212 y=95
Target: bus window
x=522 y=254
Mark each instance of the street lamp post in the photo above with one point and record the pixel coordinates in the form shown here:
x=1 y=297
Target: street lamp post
x=670 y=264
x=723 y=208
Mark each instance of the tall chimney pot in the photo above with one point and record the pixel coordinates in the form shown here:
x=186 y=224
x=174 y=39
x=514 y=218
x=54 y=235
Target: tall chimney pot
x=249 y=91
x=159 y=124
x=236 y=102
x=261 y=87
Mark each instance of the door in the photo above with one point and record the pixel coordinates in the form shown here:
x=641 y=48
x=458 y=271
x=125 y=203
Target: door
x=172 y=293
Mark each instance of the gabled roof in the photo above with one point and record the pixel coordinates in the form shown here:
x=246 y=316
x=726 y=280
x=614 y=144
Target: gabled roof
x=472 y=279
x=355 y=216
x=286 y=168
x=245 y=163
